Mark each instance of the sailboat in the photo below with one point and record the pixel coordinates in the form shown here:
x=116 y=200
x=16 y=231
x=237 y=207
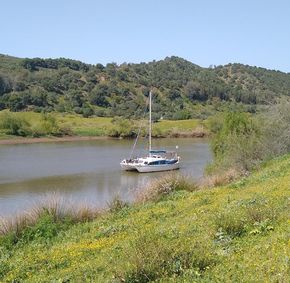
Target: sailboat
x=156 y=160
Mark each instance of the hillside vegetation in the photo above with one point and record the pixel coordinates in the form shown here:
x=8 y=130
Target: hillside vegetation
x=181 y=89
x=233 y=233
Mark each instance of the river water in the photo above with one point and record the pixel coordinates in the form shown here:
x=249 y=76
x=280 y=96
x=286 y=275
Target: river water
x=86 y=171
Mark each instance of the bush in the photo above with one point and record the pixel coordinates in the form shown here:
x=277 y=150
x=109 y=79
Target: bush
x=46 y=228
x=87 y=112
x=47 y=125
x=243 y=141
x=14 y=125
x=122 y=128
x=236 y=143
x=276 y=129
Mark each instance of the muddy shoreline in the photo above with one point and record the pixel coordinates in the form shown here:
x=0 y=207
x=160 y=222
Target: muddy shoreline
x=23 y=140
x=30 y=140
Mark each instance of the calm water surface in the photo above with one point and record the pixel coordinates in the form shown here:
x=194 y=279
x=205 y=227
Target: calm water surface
x=86 y=171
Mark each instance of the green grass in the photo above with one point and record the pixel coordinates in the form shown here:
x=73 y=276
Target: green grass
x=80 y=126
x=183 y=125
x=102 y=126
x=233 y=233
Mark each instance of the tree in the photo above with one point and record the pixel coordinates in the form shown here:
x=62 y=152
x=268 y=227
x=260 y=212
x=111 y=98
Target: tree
x=195 y=91
x=5 y=84
x=99 y=95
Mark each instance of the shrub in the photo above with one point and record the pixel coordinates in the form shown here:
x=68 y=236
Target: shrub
x=87 y=112
x=46 y=228
x=276 y=129
x=47 y=125
x=243 y=142
x=14 y=125
x=237 y=143
x=17 y=124
x=122 y=128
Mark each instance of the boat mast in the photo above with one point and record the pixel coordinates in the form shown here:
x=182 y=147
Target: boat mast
x=150 y=123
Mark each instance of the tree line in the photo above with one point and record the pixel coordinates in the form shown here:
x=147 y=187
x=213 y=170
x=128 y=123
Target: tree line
x=181 y=89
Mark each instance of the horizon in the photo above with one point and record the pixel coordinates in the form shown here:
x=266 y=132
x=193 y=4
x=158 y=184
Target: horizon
x=204 y=33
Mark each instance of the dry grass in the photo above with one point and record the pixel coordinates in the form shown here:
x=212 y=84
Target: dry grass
x=54 y=205
x=161 y=187
x=116 y=204
x=14 y=224
x=219 y=179
x=61 y=209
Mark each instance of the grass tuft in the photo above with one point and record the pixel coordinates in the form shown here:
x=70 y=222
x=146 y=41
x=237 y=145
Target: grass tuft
x=116 y=204
x=219 y=179
x=53 y=214
x=161 y=187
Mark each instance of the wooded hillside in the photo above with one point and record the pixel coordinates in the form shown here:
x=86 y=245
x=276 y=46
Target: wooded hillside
x=181 y=89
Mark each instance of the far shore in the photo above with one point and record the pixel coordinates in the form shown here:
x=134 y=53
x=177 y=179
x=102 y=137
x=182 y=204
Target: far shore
x=24 y=140
x=30 y=140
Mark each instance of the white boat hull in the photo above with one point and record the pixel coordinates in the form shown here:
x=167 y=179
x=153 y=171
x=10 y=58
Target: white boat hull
x=157 y=168
x=156 y=161
x=128 y=167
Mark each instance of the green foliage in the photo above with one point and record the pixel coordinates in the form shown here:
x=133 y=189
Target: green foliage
x=122 y=128
x=5 y=84
x=14 y=125
x=17 y=124
x=236 y=143
x=46 y=228
x=66 y=85
x=87 y=112
x=151 y=257
x=232 y=223
x=243 y=141
x=47 y=125
x=253 y=216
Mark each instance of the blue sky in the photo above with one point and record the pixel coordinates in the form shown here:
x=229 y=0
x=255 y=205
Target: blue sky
x=207 y=32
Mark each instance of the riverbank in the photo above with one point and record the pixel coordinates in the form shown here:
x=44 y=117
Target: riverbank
x=176 y=232
x=30 y=127
x=25 y=140
x=29 y=140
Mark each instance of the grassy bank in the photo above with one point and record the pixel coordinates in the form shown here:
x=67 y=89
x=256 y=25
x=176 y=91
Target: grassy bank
x=33 y=124
x=185 y=233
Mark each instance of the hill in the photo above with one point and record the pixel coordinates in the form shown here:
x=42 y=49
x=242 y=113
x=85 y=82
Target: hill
x=181 y=89
x=232 y=233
